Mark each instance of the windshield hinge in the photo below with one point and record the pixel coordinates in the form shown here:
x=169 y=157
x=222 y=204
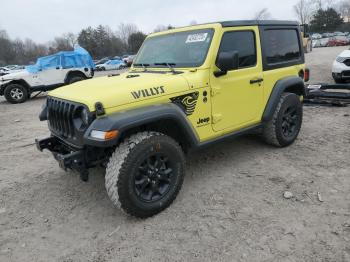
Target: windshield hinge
x=215 y=91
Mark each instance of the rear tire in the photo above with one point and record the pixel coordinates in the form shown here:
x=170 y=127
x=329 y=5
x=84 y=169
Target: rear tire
x=145 y=174
x=16 y=93
x=284 y=127
x=74 y=79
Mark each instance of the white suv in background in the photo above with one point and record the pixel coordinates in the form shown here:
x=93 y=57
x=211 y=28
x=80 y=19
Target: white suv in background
x=48 y=73
x=111 y=65
x=341 y=67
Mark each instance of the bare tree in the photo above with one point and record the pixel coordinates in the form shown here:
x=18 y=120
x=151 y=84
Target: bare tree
x=304 y=10
x=263 y=14
x=125 y=30
x=343 y=8
x=71 y=38
x=324 y=4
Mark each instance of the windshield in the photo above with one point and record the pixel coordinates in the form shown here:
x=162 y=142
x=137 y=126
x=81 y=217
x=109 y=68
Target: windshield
x=183 y=49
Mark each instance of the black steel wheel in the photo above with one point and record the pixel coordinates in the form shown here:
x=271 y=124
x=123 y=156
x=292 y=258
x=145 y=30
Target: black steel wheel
x=290 y=121
x=154 y=178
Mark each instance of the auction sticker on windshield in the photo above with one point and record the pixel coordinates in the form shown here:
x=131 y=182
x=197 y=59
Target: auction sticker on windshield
x=196 y=38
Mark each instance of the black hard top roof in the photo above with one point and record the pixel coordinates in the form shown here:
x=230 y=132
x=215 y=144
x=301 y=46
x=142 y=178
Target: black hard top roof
x=258 y=23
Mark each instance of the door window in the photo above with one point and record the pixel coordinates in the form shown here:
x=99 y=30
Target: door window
x=244 y=43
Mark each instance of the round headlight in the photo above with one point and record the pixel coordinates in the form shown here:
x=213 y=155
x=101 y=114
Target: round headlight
x=84 y=115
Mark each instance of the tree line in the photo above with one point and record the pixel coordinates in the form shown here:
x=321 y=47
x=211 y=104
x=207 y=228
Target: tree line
x=324 y=15
x=100 y=42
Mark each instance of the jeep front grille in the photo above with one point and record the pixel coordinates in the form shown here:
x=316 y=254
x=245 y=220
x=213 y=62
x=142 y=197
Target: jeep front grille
x=60 y=116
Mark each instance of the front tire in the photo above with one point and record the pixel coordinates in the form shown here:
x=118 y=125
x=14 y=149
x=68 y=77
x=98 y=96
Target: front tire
x=16 y=93
x=284 y=127
x=145 y=174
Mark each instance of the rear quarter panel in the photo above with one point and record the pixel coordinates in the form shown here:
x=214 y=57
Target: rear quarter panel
x=272 y=76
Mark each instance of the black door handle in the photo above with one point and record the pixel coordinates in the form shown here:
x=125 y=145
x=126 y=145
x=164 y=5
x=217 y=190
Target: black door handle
x=256 y=80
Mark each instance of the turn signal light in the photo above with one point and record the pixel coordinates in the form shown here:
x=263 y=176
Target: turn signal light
x=104 y=135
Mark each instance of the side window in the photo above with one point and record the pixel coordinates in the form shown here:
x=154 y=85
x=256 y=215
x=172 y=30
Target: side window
x=50 y=62
x=68 y=62
x=282 y=45
x=244 y=43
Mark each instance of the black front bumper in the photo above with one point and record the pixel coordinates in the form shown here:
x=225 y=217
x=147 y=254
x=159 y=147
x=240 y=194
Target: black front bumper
x=67 y=156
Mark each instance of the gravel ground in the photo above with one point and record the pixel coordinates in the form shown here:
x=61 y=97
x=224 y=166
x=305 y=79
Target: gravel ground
x=231 y=206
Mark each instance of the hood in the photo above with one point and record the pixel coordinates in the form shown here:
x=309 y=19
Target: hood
x=345 y=53
x=14 y=75
x=122 y=89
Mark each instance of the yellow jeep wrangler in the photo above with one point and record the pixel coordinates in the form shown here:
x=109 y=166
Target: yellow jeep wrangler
x=188 y=88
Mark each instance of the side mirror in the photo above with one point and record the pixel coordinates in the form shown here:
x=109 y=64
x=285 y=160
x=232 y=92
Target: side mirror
x=227 y=61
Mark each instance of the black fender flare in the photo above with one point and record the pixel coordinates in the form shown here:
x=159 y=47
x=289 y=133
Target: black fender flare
x=74 y=72
x=291 y=84
x=15 y=81
x=124 y=121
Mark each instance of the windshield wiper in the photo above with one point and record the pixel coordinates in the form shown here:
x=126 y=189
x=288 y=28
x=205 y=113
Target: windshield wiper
x=170 y=65
x=143 y=65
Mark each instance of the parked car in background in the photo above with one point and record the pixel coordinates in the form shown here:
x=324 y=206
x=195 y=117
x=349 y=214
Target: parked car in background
x=48 y=73
x=323 y=42
x=111 y=65
x=338 y=41
x=102 y=61
x=339 y=33
x=4 y=71
x=130 y=60
x=327 y=35
x=125 y=58
x=316 y=36
x=341 y=67
x=10 y=67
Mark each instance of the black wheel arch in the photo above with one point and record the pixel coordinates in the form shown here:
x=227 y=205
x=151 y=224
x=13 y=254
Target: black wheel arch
x=168 y=119
x=292 y=84
x=73 y=73
x=17 y=81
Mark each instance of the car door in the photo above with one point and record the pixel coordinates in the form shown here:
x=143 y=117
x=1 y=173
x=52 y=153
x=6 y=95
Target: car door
x=51 y=71
x=237 y=95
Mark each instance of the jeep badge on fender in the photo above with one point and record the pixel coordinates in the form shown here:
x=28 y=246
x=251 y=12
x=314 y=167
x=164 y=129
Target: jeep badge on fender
x=216 y=77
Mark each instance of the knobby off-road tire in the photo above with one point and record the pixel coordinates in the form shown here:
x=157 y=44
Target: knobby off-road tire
x=284 y=127
x=145 y=174
x=16 y=93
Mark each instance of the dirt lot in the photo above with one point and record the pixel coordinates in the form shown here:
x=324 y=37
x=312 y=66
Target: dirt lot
x=231 y=207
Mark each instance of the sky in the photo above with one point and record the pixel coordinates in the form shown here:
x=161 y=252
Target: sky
x=42 y=20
